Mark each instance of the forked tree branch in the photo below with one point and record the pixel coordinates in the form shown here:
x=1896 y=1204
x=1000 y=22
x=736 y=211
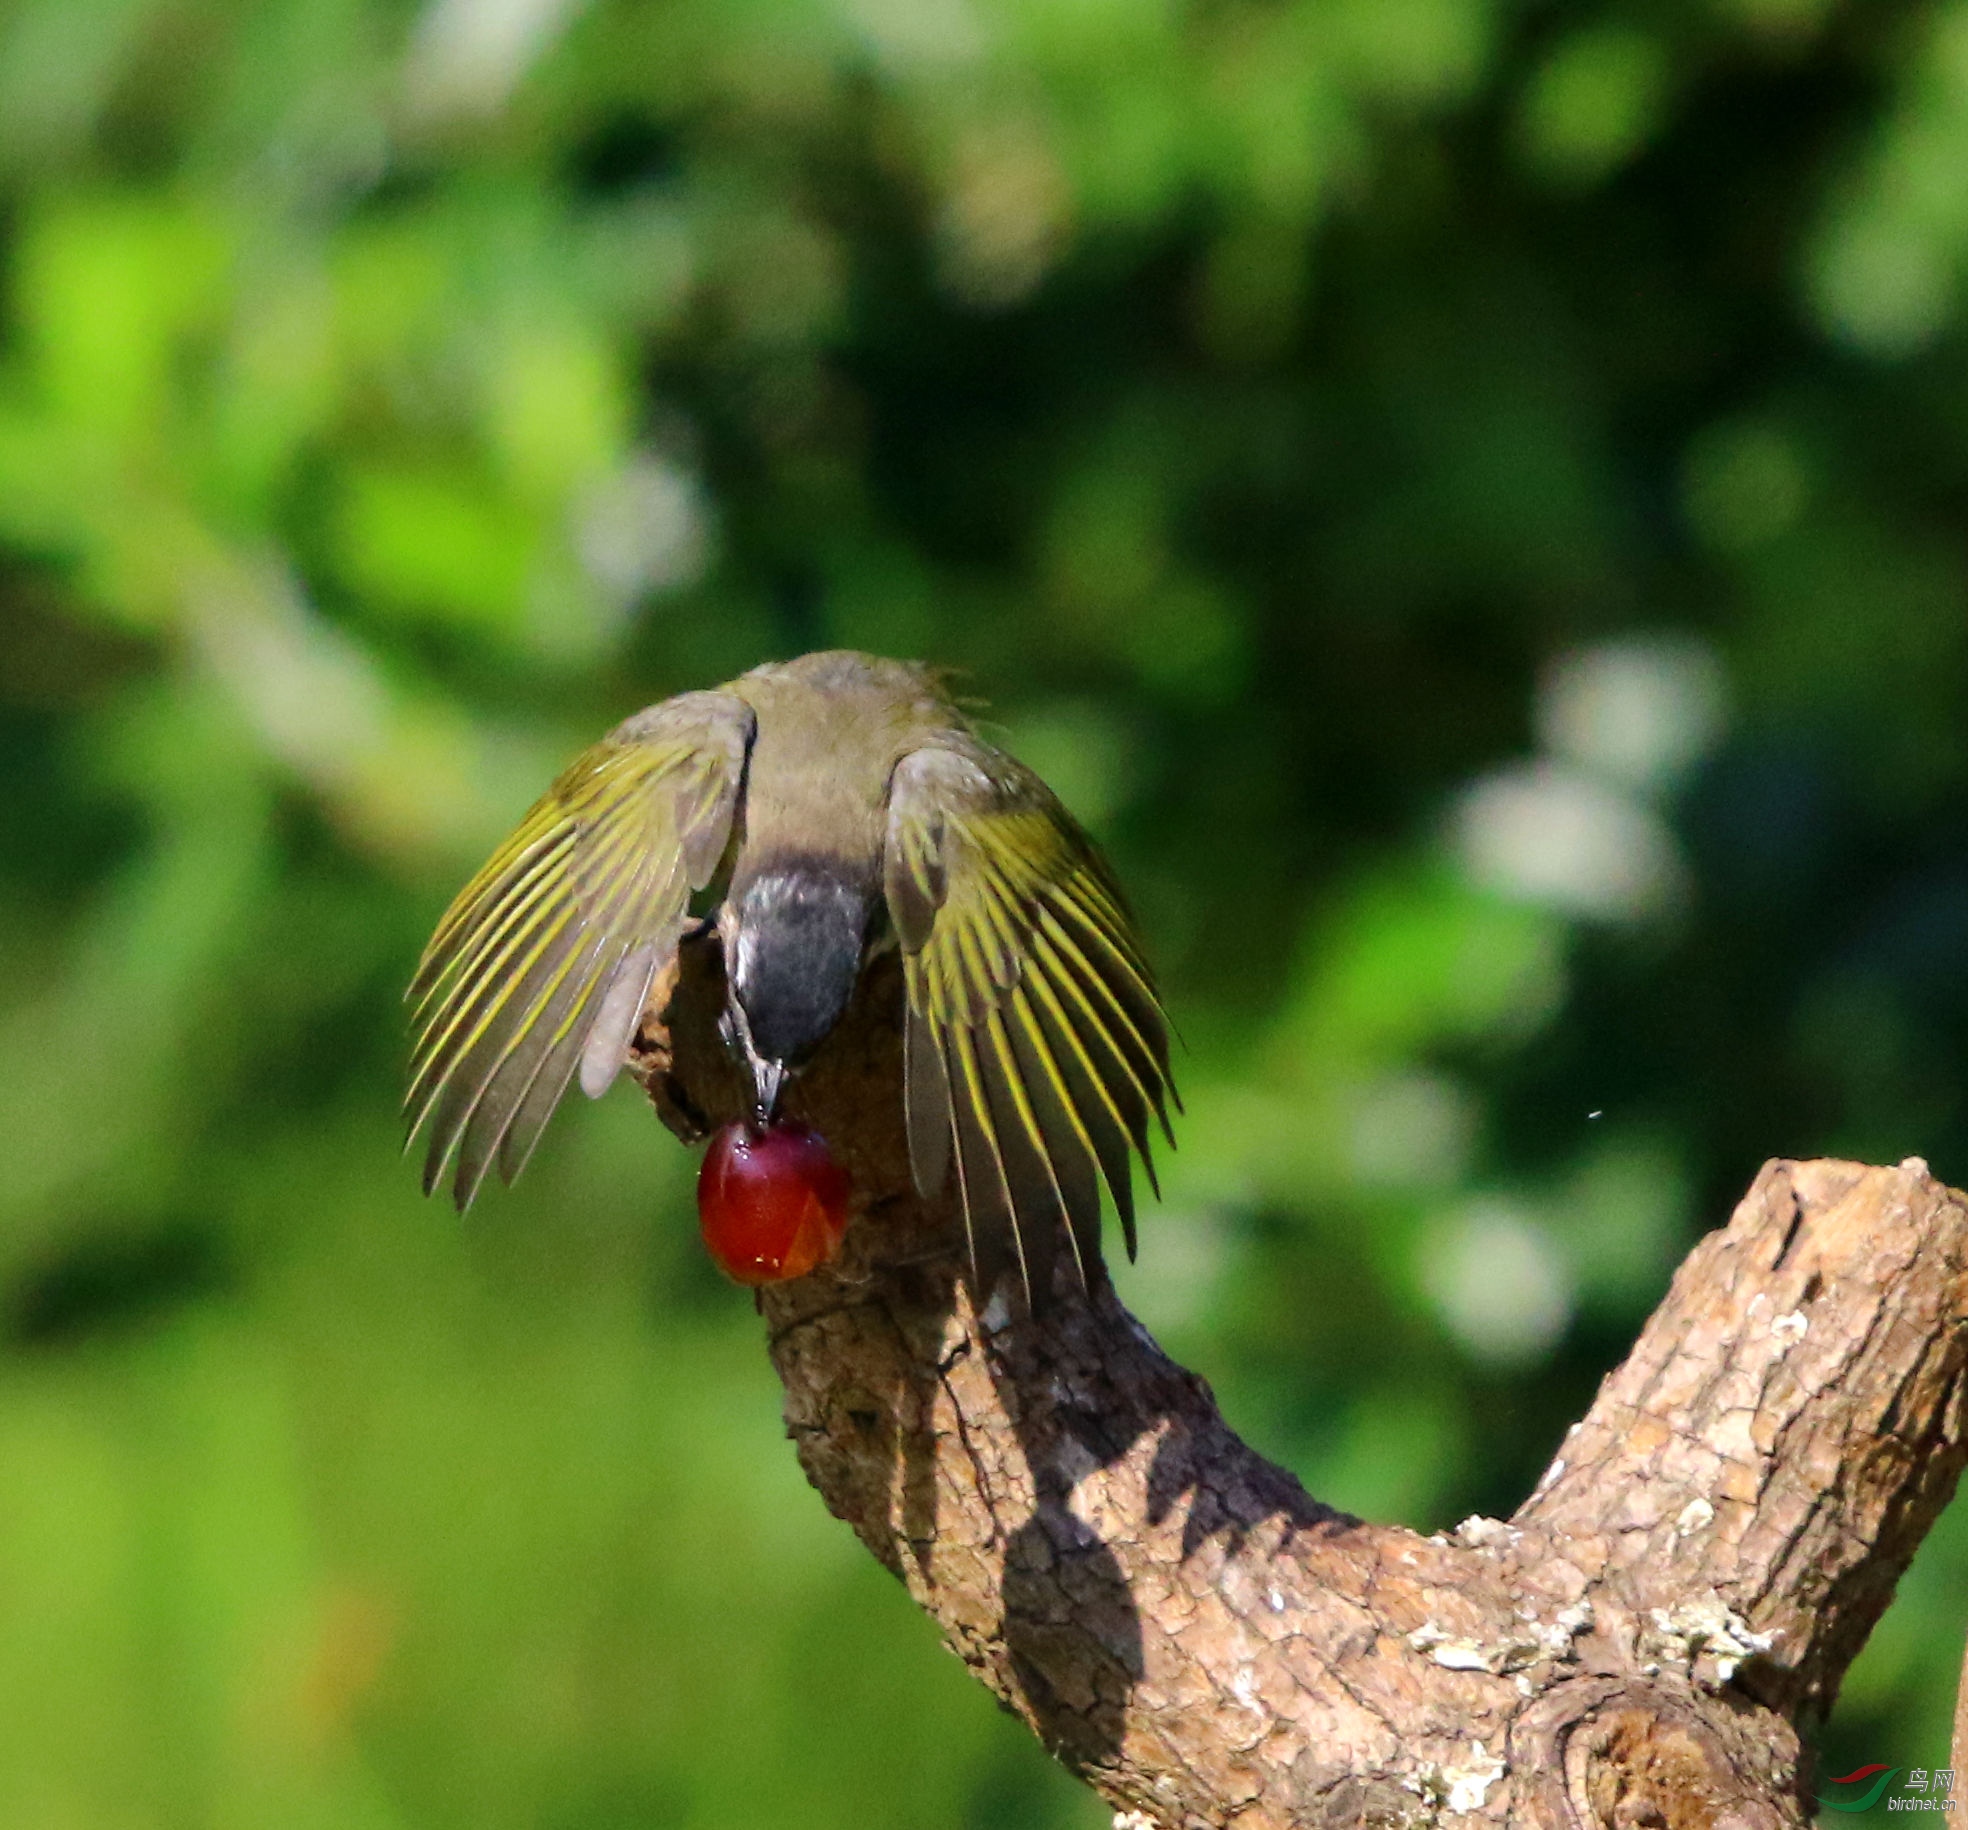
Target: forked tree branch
x=1205 y=1644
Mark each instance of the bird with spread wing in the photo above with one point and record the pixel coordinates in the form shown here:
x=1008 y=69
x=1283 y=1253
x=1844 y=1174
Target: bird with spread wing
x=815 y=812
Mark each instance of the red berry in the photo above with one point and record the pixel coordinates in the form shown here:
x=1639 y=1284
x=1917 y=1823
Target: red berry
x=773 y=1204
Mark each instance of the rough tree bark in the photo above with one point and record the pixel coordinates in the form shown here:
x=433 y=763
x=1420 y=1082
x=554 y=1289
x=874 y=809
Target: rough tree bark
x=1206 y=1644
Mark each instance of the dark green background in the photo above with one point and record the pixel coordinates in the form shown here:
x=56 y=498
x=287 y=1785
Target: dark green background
x=1469 y=501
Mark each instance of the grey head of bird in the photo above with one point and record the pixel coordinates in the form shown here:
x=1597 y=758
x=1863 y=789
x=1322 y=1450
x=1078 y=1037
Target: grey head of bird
x=819 y=811
x=794 y=944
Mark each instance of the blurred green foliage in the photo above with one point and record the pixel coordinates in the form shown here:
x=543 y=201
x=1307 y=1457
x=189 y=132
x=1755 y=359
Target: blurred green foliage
x=1466 y=498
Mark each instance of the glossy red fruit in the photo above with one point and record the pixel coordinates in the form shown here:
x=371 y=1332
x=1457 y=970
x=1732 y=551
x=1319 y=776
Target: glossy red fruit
x=773 y=1203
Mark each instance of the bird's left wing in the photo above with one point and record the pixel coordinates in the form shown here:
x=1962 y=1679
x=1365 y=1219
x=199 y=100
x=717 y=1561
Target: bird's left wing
x=1036 y=1051
x=542 y=964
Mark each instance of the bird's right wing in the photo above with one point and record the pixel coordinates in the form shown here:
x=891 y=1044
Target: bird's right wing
x=1036 y=1049
x=542 y=964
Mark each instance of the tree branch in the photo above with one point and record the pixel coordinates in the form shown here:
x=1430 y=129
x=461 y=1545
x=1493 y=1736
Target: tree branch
x=1205 y=1644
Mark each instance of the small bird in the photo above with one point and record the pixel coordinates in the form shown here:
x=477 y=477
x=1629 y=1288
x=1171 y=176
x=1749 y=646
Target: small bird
x=817 y=812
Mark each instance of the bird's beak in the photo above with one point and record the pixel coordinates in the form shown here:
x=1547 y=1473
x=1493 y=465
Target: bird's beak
x=767 y=1076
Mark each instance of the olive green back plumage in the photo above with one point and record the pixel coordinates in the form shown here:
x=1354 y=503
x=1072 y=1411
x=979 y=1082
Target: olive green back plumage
x=1036 y=1049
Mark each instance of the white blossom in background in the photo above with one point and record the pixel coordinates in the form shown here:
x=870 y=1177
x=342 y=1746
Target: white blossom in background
x=1549 y=834
x=1577 y=830
x=467 y=56
x=1638 y=711
x=1411 y=1130
x=644 y=529
x=920 y=37
x=1499 y=1280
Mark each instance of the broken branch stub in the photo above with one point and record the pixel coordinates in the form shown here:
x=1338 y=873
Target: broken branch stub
x=1206 y=1644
